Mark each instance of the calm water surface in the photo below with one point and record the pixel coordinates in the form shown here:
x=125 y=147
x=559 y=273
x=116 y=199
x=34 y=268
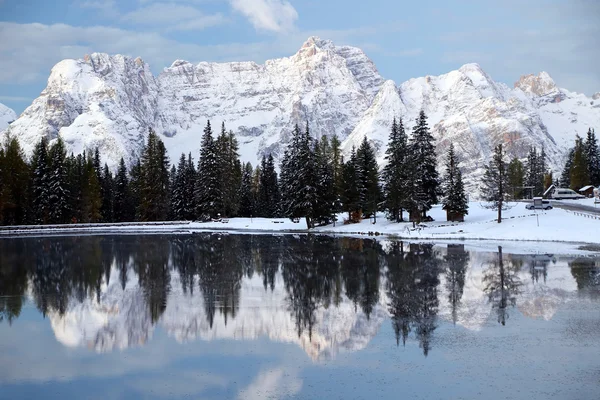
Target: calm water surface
x=214 y=316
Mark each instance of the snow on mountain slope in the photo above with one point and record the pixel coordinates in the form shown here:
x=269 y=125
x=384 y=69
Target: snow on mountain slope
x=467 y=108
x=111 y=101
x=7 y=115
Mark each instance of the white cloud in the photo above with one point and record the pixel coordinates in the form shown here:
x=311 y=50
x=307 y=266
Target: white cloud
x=173 y=17
x=268 y=15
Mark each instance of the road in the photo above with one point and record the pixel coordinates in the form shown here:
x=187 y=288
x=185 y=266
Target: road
x=573 y=206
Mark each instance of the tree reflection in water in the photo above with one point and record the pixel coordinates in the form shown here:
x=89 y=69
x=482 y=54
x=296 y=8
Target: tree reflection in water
x=317 y=272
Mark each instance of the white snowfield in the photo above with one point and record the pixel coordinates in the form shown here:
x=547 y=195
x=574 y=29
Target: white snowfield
x=518 y=224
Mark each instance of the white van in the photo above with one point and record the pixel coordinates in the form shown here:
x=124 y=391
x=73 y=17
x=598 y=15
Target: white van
x=566 y=194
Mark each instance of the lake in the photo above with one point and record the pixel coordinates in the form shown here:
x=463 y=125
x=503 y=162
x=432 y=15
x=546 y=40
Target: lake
x=224 y=316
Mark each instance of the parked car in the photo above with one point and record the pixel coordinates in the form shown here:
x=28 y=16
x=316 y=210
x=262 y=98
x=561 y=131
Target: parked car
x=539 y=204
x=566 y=194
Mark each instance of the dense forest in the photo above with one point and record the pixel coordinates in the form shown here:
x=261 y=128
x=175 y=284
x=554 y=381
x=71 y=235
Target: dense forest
x=314 y=181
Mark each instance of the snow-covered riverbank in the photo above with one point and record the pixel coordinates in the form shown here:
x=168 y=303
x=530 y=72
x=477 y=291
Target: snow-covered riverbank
x=519 y=224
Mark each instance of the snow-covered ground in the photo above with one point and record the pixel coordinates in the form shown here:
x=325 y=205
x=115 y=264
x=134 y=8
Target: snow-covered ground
x=519 y=224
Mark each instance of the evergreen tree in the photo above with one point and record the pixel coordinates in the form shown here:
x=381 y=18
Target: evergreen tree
x=14 y=180
x=135 y=188
x=178 y=204
x=368 y=179
x=326 y=193
x=455 y=200
x=107 y=186
x=189 y=189
x=337 y=164
x=565 y=176
x=579 y=173
x=246 y=193
x=535 y=171
x=426 y=177
x=123 y=209
x=154 y=188
x=226 y=147
x=40 y=165
x=396 y=173
x=299 y=178
x=516 y=178
x=91 y=196
x=593 y=157
x=209 y=195
x=494 y=188
x=58 y=183
x=350 y=192
x=268 y=189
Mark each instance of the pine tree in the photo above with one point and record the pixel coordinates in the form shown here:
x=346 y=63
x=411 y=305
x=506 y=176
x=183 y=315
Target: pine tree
x=246 y=194
x=337 y=163
x=396 y=173
x=516 y=178
x=565 y=177
x=299 y=178
x=368 y=179
x=108 y=195
x=326 y=192
x=123 y=208
x=14 y=180
x=593 y=157
x=426 y=177
x=350 y=192
x=40 y=165
x=58 y=183
x=268 y=189
x=154 y=180
x=494 y=188
x=209 y=196
x=229 y=165
x=455 y=200
x=178 y=203
x=579 y=173
x=135 y=189
x=91 y=196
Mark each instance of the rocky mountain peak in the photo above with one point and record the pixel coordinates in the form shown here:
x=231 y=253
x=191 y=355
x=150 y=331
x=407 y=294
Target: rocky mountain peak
x=539 y=85
x=596 y=96
x=7 y=115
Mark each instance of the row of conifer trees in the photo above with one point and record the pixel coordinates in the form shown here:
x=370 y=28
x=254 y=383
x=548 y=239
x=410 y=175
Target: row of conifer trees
x=315 y=182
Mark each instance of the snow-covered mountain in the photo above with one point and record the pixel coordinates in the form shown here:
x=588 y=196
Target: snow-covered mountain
x=111 y=101
x=7 y=115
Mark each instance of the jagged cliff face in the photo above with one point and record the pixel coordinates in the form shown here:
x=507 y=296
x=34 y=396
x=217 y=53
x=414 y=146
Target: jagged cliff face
x=7 y=116
x=111 y=101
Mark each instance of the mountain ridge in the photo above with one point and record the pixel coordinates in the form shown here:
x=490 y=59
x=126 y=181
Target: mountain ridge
x=111 y=101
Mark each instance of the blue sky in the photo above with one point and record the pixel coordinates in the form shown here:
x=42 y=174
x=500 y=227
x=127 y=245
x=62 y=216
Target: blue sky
x=507 y=38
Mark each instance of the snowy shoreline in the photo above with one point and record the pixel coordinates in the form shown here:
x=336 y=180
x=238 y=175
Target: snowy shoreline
x=519 y=225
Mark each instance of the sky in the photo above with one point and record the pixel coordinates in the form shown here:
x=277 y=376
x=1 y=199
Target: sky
x=508 y=38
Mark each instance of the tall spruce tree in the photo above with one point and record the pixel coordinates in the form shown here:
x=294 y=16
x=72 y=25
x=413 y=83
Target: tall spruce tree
x=154 y=180
x=494 y=187
x=40 y=165
x=455 y=200
x=226 y=147
x=189 y=189
x=426 y=176
x=368 y=179
x=268 y=190
x=350 y=191
x=593 y=157
x=579 y=173
x=178 y=206
x=91 y=195
x=123 y=208
x=58 y=183
x=107 y=186
x=246 y=193
x=299 y=178
x=396 y=173
x=516 y=178
x=565 y=176
x=326 y=192
x=337 y=163
x=209 y=195
x=14 y=181
x=135 y=188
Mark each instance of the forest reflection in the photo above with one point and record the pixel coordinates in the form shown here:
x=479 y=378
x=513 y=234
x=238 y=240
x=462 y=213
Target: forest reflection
x=318 y=272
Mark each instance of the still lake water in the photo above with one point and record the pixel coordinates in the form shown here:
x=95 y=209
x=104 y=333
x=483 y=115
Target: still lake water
x=218 y=316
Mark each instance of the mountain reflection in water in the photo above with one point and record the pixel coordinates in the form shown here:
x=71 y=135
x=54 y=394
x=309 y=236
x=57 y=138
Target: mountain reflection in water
x=325 y=294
